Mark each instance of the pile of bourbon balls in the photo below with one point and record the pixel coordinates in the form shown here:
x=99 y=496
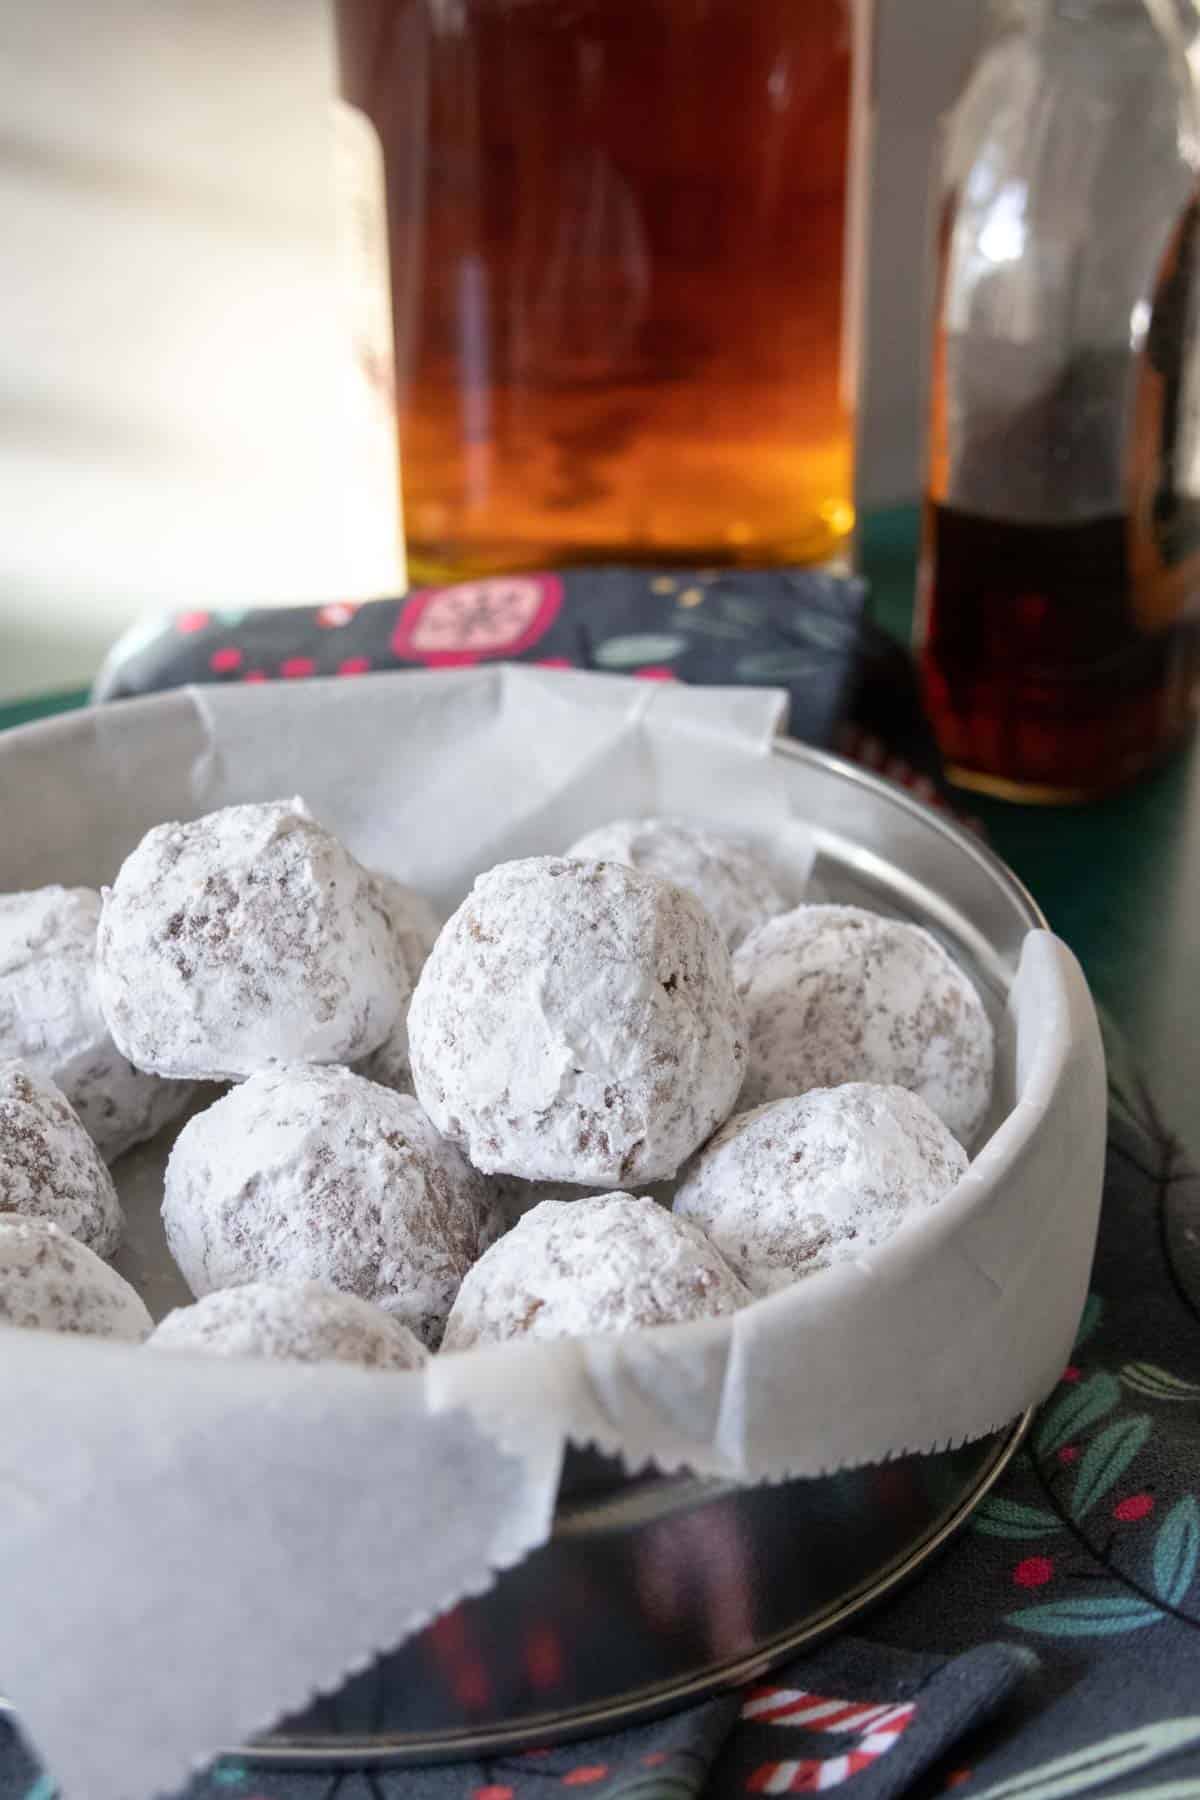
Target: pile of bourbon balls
x=622 y=1087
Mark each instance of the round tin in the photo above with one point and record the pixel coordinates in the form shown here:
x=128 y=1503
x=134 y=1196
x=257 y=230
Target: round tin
x=652 y=1593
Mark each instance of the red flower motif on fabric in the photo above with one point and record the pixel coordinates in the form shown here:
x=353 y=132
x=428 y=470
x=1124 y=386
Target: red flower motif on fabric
x=355 y=665
x=1033 y=1571
x=585 y=1775
x=297 y=667
x=455 y=626
x=1137 y=1506
x=192 y=621
x=1071 y=1373
x=653 y=673
x=336 y=614
x=1069 y=1453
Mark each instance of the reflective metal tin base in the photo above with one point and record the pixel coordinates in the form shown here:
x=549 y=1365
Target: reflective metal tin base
x=725 y=1582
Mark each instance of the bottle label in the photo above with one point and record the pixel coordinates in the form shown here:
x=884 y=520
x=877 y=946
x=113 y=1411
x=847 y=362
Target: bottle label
x=371 y=492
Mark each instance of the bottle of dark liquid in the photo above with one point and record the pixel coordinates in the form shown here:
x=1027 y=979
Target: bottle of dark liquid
x=1059 y=607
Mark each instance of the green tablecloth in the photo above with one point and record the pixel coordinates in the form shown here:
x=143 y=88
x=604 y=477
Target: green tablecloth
x=1120 y=880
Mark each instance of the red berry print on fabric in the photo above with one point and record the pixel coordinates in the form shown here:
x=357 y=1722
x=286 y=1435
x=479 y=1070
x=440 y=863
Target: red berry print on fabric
x=297 y=667
x=586 y=1775
x=192 y=621
x=224 y=662
x=1033 y=1571
x=654 y=673
x=355 y=665
x=1137 y=1506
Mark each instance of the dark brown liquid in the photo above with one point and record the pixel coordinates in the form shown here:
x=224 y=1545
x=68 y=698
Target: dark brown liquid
x=616 y=233
x=1039 y=676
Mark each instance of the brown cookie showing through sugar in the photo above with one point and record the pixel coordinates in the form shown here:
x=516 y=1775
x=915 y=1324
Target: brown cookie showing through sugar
x=247 y=938
x=51 y=1282
x=822 y=1178
x=582 y=1267
x=49 y=1167
x=415 y=927
x=728 y=877
x=577 y=1022
x=836 y=994
x=302 y=1322
x=50 y=1018
x=313 y=1174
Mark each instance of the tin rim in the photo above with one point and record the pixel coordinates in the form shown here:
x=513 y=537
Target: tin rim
x=280 y=1750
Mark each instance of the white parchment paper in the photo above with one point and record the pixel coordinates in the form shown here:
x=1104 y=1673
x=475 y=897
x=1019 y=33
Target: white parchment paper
x=189 y=1549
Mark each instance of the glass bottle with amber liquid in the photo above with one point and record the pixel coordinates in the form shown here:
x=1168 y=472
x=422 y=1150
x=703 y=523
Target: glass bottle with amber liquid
x=1058 y=621
x=618 y=241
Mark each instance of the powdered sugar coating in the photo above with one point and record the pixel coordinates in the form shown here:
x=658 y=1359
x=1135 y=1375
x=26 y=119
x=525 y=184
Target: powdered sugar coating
x=577 y=1022
x=415 y=927
x=313 y=1174
x=801 y=1184
x=837 y=993
x=246 y=938
x=728 y=877
x=304 y=1322
x=571 y=1269
x=51 y=1282
x=49 y=1166
x=50 y=1017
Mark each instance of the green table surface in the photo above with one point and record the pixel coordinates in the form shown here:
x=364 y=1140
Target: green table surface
x=1119 y=880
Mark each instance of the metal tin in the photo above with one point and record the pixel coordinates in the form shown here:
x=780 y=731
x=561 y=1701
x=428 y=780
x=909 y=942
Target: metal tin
x=652 y=1593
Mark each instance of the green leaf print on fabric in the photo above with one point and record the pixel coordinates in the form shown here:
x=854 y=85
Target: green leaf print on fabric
x=1101 y=1615
x=1176 y=1549
x=1075 y=1410
x=1105 y=1461
x=998 y=1517
x=1102 y=1762
x=1158 y=1384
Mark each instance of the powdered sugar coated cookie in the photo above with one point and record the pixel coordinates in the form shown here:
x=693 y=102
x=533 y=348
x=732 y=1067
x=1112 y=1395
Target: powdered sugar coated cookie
x=730 y=878
x=49 y=1166
x=313 y=1174
x=304 y=1322
x=569 y=1269
x=243 y=939
x=837 y=993
x=577 y=1022
x=51 y=1282
x=415 y=927
x=821 y=1178
x=50 y=1018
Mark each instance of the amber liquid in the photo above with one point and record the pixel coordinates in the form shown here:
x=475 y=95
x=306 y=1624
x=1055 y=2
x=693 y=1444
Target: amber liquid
x=1039 y=680
x=617 y=237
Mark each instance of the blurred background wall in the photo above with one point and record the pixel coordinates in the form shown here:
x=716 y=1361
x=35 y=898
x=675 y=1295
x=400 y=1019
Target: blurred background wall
x=175 y=426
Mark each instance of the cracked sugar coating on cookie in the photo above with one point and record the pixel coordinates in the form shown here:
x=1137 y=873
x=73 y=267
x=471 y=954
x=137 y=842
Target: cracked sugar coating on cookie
x=246 y=938
x=837 y=993
x=574 y=1268
x=304 y=1322
x=577 y=1022
x=313 y=1174
x=51 y=1282
x=50 y=1017
x=801 y=1184
x=49 y=1166
x=727 y=876
x=415 y=927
